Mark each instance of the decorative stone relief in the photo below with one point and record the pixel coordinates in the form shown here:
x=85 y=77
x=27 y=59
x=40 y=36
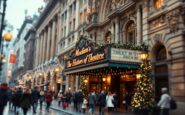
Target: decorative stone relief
x=173 y=20
x=117 y=3
x=93 y=9
x=158 y=22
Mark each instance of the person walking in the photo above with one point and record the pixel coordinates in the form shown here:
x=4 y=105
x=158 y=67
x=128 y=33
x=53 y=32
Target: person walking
x=164 y=102
x=16 y=100
x=35 y=96
x=92 y=102
x=127 y=101
x=26 y=101
x=59 y=97
x=115 y=101
x=3 y=96
x=84 y=106
x=48 y=100
x=79 y=100
x=41 y=98
x=109 y=99
x=102 y=102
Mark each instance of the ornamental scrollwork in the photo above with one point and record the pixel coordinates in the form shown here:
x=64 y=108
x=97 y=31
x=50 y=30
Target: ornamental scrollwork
x=173 y=20
x=114 y=4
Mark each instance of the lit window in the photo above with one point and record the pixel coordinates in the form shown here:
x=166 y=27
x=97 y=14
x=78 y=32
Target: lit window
x=158 y=3
x=130 y=36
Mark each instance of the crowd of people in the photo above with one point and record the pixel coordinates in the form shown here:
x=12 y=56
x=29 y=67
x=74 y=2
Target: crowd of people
x=25 y=98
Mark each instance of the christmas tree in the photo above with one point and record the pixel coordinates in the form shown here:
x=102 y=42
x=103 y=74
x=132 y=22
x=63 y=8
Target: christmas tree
x=83 y=86
x=143 y=98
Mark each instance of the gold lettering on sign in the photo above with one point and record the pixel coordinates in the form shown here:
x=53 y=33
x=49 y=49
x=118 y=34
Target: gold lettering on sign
x=83 y=51
x=89 y=58
x=92 y=58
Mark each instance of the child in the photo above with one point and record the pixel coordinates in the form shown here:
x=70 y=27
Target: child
x=84 y=106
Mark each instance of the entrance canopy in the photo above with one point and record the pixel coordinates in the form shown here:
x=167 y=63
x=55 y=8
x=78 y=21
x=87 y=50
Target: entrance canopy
x=89 y=56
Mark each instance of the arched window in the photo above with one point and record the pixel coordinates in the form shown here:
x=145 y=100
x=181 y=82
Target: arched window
x=161 y=53
x=158 y=3
x=130 y=33
x=108 y=38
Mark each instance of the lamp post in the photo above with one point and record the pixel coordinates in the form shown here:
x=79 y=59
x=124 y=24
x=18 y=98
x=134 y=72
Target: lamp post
x=2 y=21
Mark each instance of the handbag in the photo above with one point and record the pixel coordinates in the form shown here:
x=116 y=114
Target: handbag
x=173 y=104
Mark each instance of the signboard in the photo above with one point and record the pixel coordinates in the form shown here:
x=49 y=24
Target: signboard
x=85 y=56
x=125 y=55
x=12 y=58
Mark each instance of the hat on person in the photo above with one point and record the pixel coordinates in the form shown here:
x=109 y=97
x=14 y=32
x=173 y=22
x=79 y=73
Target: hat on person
x=164 y=89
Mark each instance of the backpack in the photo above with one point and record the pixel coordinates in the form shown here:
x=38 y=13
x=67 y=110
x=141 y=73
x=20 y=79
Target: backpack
x=173 y=104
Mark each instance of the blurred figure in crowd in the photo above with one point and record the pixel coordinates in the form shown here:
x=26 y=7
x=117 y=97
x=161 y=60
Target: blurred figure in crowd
x=3 y=96
x=26 y=100
x=41 y=98
x=35 y=96
x=59 y=97
x=102 y=102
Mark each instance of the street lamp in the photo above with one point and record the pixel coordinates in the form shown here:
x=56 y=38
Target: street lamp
x=144 y=56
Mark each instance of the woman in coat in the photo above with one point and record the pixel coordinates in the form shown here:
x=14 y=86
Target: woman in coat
x=26 y=101
x=109 y=100
x=49 y=97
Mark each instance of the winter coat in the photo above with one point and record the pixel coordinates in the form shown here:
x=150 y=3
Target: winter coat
x=48 y=97
x=109 y=100
x=79 y=97
x=102 y=99
x=3 y=96
x=16 y=98
x=42 y=96
x=164 y=102
x=35 y=95
x=26 y=100
x=92 y=99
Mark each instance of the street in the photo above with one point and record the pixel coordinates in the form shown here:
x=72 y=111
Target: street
x=43 y=112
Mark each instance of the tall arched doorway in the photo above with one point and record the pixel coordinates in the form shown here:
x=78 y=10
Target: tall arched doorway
x=161 y=70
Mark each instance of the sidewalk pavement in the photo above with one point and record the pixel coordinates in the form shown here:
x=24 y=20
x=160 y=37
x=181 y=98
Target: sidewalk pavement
x=71 y=111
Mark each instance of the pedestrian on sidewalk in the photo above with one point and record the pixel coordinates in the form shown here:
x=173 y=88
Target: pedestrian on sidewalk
x=109 y=100
x=41 y=98
x=74 y=98
x=3 y=96
x=92 y=102
x=164 y=102
x=64 y=101
x=35 y=96
x=16 y=99
x=84 y=106
x=115 y=101
x=102 y=102
x=49 y=98
x=59 y=97
x=79 y=100
x=26 y=100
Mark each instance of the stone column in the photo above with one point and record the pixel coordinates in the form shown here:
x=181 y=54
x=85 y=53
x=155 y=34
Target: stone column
x=48 y=43
x=44 y=46
x=139 y=25
x=36 y=55
x=52 y=39
x=59 y=26
x=41 y=48
x=144 y=22
x=117 y=31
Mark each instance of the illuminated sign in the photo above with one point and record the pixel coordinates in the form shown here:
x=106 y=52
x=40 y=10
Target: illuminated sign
x=125 y=55
x=83 y=51
x=89 y=58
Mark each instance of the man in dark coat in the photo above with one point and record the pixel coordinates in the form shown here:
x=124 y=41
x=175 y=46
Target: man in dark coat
x=35 y=97
x=3 y=97
x=79 y=100
x=102 y=102
x=16 y=99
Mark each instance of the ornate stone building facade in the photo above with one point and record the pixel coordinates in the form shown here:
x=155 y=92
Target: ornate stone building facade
x=159 y=23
